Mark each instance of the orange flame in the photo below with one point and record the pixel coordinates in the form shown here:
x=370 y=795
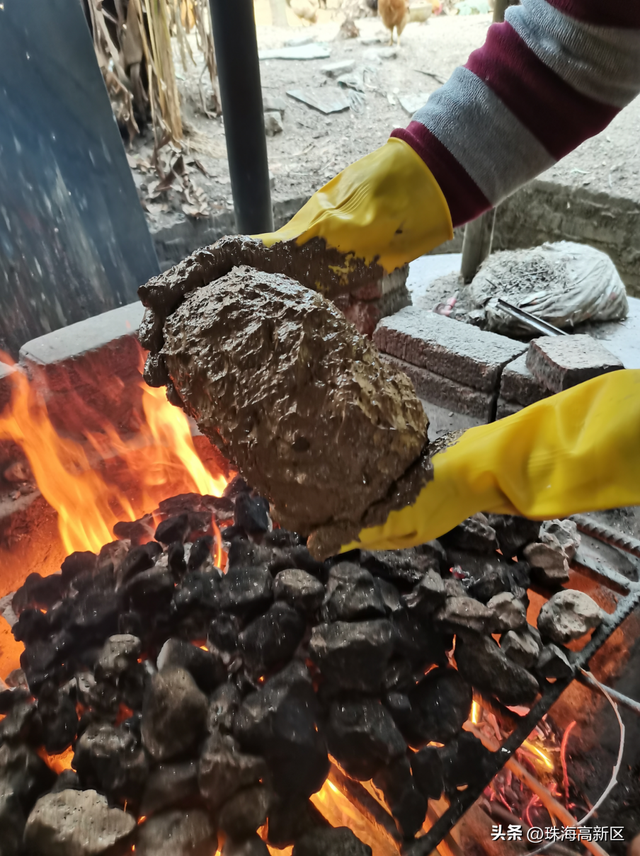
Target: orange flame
x=58 y=763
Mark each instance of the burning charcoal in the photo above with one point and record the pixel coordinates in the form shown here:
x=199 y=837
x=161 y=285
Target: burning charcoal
x=31 y=626
x=245 y=812
x=173 y=529
x=22 y=723
x=12 y=822
x=427 y=595
x=407 y=804
x=223 y=705
x=24 y=773
x=509 y=612
x=548 y=561
x=464 y=763
x=132 y=686
x=39 y=592
x=112 y=555
x=109 y=759
x=481 y=661
x=224 y=770
x=95 y=616
x=454 y=588
x=205 y=668
x=389 y=594
x=330 y=842
x=426 y=766
x=246 y=591
x=149 y=592
x=76 y=823
x=553 y=662
x=17 y=679
x=568 y=615
x=417 y=640
x=465 y=613
x=177 y=833
x=281 y=722
x=290 y=819
x=59 y=721
x=271 y=639
x=10 y=697
x=246 y=554
x=175 y=560
x=565 y=532
x=200 y=553
x=233 y=533
x=439 y=706
x=474 y=534
x=484 y=574
x=522 y=646
x=513 y=532
x=282 y=538
x=198 y=590
x=236 y=486
x=117 y=655
x=353 y=655
x=253 y=846
x=299 y=589
x=137 y=531
x=252 y=514
x=169 y=785
x=363 y=737
x=224 y=631
x=138 y=559
x=404 y=568
x=130 y=624
x=297 y=557
x=41 y=660
x=351 y=594
x=68 y=780
x=78 y=563
x=174 y=715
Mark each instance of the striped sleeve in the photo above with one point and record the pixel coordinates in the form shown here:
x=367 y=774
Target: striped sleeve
x=553 y=74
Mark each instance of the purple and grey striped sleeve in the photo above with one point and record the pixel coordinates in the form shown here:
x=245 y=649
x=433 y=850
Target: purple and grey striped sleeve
x=553 y=74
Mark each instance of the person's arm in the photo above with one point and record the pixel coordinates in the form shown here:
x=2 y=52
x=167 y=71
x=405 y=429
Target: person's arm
x=555 y=73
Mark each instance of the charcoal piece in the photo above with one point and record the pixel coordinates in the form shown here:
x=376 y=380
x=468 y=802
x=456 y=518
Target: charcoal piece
x=297 y=557
x=417 y=640
x=299 y=589
x=236 y=486
x=427 y=595
x=138 y=559
x=252 y=846
x=188 y=832
x=465 y=761
x=132 y=685
x=245 y=812
x=465 y=613
x=12 y=822
x=553 y=662
x=78 y=563
x=9 y=697
x=474 y=534
x=149 y=592
x=31 y=626
x=353 y=655
x=522 y=646
x=24 y=773
x=285 y=342
x=16 y=679
x=426 y=766
x=271 y=639
x=389 y=594
x=170 y=785
x=224 y=631
x=252 y=514
x=206 y=668
x=509 y=612
x=223 y=770
x=223 y=705
x=173 y=529
x=22 y=723
x=564 y=532
x=68 y=780
x=338 y=841
x=112 y=555
x=404 y=568
x=200 y=553
x=513 y=532
x=548 y=561
x=230 y=534
x=174 y=715
x=567 y=615
x=290 y=819
x=398 y=676
x=59 y=722
x=246 y=554
x=42 y=661
x=351 y=594
x=453 y=587
x=138 y=532
x=408 y=805
x=440 y=705
x=246 y=591
x=39 y=592
x=76 y=823
x=95 y=616
x=102 y=579
x=198 y=590
x=117 y=655
x=363 y=737
x=175 y=560
x=282 y=538
x=110 y=759
x=484 y=574
x=281 y=722
x=481 y=661
x=130 y=624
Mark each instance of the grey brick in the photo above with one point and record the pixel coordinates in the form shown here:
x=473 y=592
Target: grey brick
x=560 y=362
x=447 y=393
x=449 y=348
x=518 y=385
x=506 y=408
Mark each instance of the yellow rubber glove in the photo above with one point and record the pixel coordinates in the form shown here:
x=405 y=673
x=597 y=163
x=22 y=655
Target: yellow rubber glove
x=386 y=208
x=574 y=452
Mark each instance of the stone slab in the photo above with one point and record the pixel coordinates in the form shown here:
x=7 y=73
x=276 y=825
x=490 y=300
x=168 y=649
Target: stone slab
x=519 y=386
x=560 y=362
x=448 y=348
x=447 y=393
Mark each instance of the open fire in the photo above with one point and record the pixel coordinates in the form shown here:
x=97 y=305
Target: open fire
x=265 y=659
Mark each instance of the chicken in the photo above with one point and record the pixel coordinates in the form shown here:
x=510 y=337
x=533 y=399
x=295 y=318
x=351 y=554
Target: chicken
x=394 y=13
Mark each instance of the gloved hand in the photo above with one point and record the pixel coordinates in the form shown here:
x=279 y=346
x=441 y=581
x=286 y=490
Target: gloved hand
x=573 y=452
x=381 y=212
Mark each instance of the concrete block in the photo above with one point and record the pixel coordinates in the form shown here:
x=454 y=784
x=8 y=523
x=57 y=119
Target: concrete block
x=560 y=362
x=519 y=386
x=447 y=393
x=506 y=408
x=449 y=348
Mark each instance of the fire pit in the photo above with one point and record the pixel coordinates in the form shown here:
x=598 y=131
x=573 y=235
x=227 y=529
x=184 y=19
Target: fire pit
x=202 y=684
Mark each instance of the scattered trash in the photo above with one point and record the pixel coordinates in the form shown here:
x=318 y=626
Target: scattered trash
x=332 y=101
x=273 y=123
x=309 y=51
x=352 y=81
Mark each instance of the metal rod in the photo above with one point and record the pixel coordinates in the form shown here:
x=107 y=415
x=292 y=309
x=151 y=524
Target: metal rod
x=607 y=534
x=530 y=320
x=624 y=700
x=236 y=46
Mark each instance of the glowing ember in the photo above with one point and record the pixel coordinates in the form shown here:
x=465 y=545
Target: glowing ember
x=58 y=763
